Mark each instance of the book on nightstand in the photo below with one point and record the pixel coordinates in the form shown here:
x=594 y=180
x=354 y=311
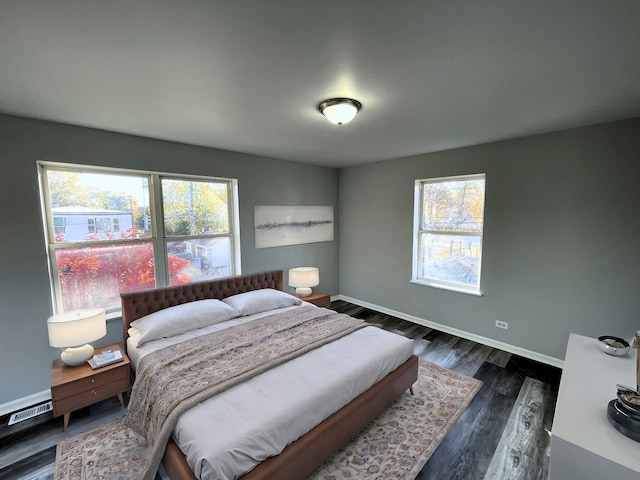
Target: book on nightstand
x=105 y=358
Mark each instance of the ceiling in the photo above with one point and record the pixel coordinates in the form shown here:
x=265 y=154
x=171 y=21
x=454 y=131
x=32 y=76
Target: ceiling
x=248 y=75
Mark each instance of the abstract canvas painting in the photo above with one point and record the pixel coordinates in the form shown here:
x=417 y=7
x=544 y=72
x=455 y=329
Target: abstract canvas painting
x=276 y=226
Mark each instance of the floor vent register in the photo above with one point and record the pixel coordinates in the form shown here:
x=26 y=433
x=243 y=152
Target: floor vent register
x=30 y=413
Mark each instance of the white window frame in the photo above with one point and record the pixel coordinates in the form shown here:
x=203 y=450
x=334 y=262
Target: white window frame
x=158 y=238
x=418 y=231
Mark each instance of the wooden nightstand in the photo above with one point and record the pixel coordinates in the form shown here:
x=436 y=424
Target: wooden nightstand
x=73 y=388
x=318 y=299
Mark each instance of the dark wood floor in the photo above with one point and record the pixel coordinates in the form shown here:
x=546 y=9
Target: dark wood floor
x=503 y=435
x=505 y=432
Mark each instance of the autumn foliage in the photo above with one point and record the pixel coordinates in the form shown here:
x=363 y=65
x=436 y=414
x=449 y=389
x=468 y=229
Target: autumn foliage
x=97 y=275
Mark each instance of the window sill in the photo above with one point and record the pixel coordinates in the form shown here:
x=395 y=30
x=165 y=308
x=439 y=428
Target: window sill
x=450 y=288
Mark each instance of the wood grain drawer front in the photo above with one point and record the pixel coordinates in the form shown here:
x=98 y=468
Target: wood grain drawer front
x=92 y=382
x=89 y=397
x=323 y=302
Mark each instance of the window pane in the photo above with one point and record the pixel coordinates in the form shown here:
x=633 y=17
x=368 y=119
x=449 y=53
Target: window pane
x=453 y=206
x=105 y=231
x=194 y=208
x=90 y=204
x=450 y=258
x=199 y=259
x=95 y=276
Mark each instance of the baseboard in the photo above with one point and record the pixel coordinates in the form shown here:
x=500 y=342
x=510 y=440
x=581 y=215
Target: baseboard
x=523 y=352
x=25 y=402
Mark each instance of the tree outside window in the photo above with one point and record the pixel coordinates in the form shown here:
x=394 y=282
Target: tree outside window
x=449 y=221
x=105 y=234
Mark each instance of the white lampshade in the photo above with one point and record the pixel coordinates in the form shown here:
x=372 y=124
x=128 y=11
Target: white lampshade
x=75 y=329
x=340 y=110
x=303 y=278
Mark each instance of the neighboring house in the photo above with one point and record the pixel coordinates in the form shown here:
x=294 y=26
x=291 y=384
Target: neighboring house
x=77 y=223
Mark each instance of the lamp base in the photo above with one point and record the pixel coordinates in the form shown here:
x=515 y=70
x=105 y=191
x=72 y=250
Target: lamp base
x=624 y=420
x=303 y=291
x=74 y=356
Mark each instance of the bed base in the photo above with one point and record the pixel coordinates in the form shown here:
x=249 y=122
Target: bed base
x=303 y=456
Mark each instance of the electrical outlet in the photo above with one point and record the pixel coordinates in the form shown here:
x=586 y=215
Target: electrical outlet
x=501 y=324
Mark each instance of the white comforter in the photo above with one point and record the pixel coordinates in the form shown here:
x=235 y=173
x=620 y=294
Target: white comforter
x=229 y=434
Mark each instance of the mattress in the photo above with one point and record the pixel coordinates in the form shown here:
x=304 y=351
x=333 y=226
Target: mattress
x=229 y=434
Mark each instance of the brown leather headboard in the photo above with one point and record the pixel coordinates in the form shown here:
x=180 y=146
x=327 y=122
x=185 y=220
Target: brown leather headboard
x=143 y=302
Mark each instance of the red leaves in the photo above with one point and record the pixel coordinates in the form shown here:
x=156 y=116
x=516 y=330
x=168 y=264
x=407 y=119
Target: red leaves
x=98 y=274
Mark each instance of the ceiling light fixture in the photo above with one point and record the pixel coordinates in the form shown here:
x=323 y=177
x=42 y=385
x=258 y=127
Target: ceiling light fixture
x=340 y=110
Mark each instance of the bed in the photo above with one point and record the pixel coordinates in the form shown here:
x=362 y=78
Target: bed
x=303 y=453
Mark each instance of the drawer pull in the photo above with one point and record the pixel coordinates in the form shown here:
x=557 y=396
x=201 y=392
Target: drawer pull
x=93 y=380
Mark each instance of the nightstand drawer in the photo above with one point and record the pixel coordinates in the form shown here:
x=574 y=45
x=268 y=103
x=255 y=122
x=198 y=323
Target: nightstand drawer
x=91 y=396
x=80 y=386
x=95 y=381
x=318 y=299
x=324 y=302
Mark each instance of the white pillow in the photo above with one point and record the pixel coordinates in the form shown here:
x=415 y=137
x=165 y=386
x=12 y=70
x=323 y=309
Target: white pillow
x=182 y=318
x=258 y=301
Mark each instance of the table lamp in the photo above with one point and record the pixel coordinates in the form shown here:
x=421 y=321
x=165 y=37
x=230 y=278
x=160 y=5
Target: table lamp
x=303 y=278
x=74 y=330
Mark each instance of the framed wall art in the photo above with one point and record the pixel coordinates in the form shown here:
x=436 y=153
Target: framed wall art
x=276 y=226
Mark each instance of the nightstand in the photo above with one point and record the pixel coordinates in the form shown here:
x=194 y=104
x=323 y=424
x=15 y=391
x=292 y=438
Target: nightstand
x=73 y=388
x=318 y=299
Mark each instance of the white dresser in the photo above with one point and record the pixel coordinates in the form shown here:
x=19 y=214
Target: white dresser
x=584 y=445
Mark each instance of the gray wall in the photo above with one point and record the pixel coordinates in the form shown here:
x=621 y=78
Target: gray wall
x=25 y=355
x=561 y=250
x=561 y=241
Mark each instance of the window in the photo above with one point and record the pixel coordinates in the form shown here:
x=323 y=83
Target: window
x=103 y=225
x=447 y=244
x=110 y=231
x=58 y=225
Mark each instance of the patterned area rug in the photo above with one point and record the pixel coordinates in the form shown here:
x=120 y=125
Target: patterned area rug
x=394 y=446
x=398 y=443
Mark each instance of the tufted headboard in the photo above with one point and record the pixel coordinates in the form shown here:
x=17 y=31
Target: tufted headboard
x=143 y=302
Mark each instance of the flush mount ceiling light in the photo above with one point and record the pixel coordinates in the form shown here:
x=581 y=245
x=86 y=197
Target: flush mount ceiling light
x=340 y=110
